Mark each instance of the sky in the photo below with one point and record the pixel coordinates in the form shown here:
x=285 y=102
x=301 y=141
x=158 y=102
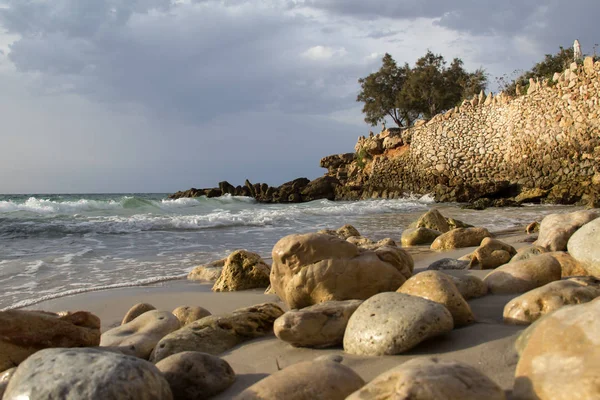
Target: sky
x=162 y=95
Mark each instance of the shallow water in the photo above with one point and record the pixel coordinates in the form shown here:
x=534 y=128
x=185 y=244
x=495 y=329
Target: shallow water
x=53 y=245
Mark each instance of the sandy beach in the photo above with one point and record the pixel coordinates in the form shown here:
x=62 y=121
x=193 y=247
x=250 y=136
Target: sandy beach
x=487 y=344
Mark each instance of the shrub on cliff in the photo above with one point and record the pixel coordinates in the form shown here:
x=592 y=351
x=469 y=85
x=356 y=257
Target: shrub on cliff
x=405 y=94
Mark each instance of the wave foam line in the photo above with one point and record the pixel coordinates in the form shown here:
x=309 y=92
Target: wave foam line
x=141 y=282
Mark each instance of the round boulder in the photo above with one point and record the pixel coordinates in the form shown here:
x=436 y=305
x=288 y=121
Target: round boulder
x=321 y=379
x=469 y=286
x=392 y=323
x=195 y=376
x=430 y=378
x=583 y=246
x=557 y=229
x=243 y=270
x=491 y=254
x=313 y=268
x=136 y=311
x=417 y=236
x=527 y=252
x=459 y=238
x=86 y=373
x=523 y=276
x=188 y=314
x=439 y=287
x=432 y=219
x=569 y=265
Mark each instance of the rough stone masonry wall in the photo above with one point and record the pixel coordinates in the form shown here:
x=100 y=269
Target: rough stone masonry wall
x=548 y=138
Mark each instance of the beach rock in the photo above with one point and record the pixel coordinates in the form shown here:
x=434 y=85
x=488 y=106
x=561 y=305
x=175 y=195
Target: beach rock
x=310 y=380
x=532 y=305
x=523 y=276
x=141 y=335
x=374 y=246
x=392 y=323
x=556 y=229
x=459 y=238
x=243 y=270
x=5 y=378
x=431 y=379
x=440 y=288
x=584 y=247
x=560 y=357
x=456 y=223
x=469 y=286
x=136 y=311
x=347 y=231
x=188 y=314
x=218 y=333
x=525 y=253
x=491 y=254
x=448 y=263
x=417 y=236
x=569 y=266
x=318 y=326
x=196 y=376
x=209 y=272
x=533 y=227
x=313 y=268
x=22 y=333
x=433 y=220
x=87 y=373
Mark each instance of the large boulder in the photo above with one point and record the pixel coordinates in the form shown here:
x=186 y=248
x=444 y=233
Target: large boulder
x=536 y=303
x=91 y=374
x=431 y=379
x=417 y=236
x=470 y=286
x=433 y=220
x=321 y=379
x=207 y=273
x=523 y=276
x=448 y=264
x=584 y=247
x=560 y=358
x=318 y=326
x=439 y=287
x=527 y=252
x=314 y=268
x=188 y=314
x=459 y=238
x=218 y=333
x=137 y=310
x=22 y=333
x=138 y=337
x=392 y=323
x=557 y=229
x=196 y=376
x=242 y=270
x=568 y=264
x=490 y=254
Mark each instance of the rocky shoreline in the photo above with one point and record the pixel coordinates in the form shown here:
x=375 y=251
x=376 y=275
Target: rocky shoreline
x=330 y=294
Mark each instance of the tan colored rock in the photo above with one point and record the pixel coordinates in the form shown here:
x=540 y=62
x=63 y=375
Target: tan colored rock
x=310 y=380
x=561 y=358
x=456 y=223
x=417 y=236
x=459 y=238
x=569 y=266
x=196 y=376
x=440 y=288
x=4 y=378
x=429 y=379
x=469 y=286
x=490 y=254
x=523 y=276
x=432 y=219
x=525 y=253
x=313 y=268
x=399 y=322
x=243 y=270
x=584 y=246
x=209 y=272
x=188 y=314
x=347 y=231
x=136 y=311
x=141 y=335
x=532 y=305
x=533 y=227
x=218 y=333
x=23 y=333
x=318 y=326
x=557 y=229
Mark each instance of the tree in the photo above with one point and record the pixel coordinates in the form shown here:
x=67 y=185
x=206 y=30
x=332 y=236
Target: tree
x=405 y=94
x=382 y=94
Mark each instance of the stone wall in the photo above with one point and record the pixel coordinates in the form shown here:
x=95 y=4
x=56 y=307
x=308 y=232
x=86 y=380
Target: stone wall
x=547 y=139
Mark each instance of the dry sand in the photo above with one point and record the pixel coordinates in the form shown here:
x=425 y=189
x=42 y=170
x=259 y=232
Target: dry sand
x=487 y=344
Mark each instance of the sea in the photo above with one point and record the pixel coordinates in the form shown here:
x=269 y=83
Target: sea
x=62 y=244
